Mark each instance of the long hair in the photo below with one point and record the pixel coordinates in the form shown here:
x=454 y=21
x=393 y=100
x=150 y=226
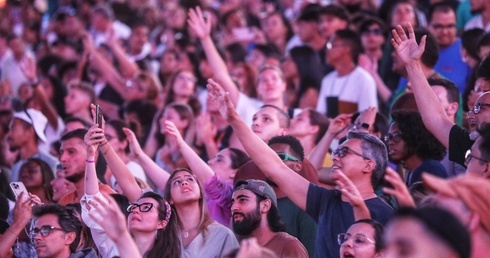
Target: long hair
x=193 y=101
x=118 y=126
x=167 y=243
x=307 y=63
x=238 y=158
x=205 y=218
x=185 y=113
x=47 y=176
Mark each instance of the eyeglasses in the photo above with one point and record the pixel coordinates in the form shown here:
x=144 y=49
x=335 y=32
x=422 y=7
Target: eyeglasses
x=376 y=32
x=358 y=239
x=143 y=207
x=469 y=157
x=285 y=157
x=442 y=27
x=477 y=107
x=395 y=137
x=44 y=230
x=341 y=152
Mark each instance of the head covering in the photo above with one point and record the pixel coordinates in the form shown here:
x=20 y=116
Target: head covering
x=259 y=187
x=472 y=190
x=34 y=118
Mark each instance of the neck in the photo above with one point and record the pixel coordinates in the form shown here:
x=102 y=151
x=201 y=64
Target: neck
x=80 y=187
x=62 y=254
x=412 y=162
x=345 y=67
x=317 y=43
x=374 y=54
x=479 y=243
x=263 y=233
x=189 y=216
x=144 y=240
x=28 y=150
x=280 y=43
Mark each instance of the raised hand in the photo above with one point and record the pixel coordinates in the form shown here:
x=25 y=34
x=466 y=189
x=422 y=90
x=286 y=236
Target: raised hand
x=339 y=123
x=406 y=47
x=368 y=64
x=222 y=100
x=197 y=22
x=352 y=194
x=399 y=190
x=134 y=145
x=103 y=208
x=28 y=67
x=207 y=130
x=93 y=138
x=367 y=116
x=23 y=209
x=173 y=133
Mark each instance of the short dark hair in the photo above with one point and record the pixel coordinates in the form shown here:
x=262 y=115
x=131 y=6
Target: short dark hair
x=470 y=40
x=378 y=232
x=284 y=120
x=67 y=219
x=84 y=122
x=352 y=39
x=483 y=70
x=451 y=88
x=484 y=132
x=334 y=10
x=372 y=20
x=431 y=53
x=309 y=13
x=78 y=133
x=238 y=158
x=293 y=143
x=443 y=7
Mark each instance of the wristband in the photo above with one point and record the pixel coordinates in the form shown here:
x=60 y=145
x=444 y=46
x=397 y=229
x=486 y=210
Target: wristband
x=89 y=161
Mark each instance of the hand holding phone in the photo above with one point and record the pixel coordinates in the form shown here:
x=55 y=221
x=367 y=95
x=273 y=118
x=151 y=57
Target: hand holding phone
x=18 y=188
x=98 y=116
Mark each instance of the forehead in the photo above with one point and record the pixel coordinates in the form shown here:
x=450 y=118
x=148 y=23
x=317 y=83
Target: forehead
x=72 y=143
x=146 y=200
x=484 y=98
x=244 y=193
x=443 y=17
x=280 y=147
x=47 y=219
x=393 y=127
x=361 y=228
x=182 y=174
x=440 y=91
x=352 y=143
x=267 y=111
x=224 y=153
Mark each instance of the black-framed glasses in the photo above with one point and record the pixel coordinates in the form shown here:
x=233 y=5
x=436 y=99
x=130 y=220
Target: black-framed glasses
x=341 y=152
x=143 y=207
x=357 y=239
x=285 y=157
x=469 y=157
x=44 y=230
x=477 y=107
x=395 y=137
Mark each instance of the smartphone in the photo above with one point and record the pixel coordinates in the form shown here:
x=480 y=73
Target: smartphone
x=18 y=188
x=98 y=115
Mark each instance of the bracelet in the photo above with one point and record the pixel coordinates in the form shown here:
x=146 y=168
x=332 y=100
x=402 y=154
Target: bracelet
x=89 y=161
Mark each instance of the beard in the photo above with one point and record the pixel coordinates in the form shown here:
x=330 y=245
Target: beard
x=75 y=177
x=249 y=223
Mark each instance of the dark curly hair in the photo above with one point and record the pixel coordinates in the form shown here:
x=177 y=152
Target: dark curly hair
x=293 y=143
x=418 y=139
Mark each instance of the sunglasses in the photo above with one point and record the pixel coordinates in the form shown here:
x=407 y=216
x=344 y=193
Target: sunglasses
x=285 y=157
x=342 y=152
x=396 y=137
x=143 y=207
x=376 y=32
x=477 y=107
x=44 y=230
x=357 y=239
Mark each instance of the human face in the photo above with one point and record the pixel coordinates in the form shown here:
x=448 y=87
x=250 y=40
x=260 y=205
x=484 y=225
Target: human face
x=284 y=148
x=76 y=100
x=16 y=137
x=168 y=63
x=139 y=37
x=477 y=5
x=328 y=25
x=61 y=186
x=441 y=94
x=350 y=164
x=337 y=51
x=475 y=164
x=221 y=165
x=443 y=27
x=301 y=126
x=482 y=85
x=274 y=28
x=270 y=86
x=149 y=221
x=72 y=157
x=17 y=47
x=307 y=30
x=111 y=136
x=365 y=249
x=407 y=237
x=265 y=123
x=289 y=68
x=57 y=243
x=397 y=148
x=373 y=37
x=184 y=84
x=403 y=13
x=256 y=59
x=245 y=212
x=184 y=188
x=31 y=175
x=483 y=115
x=170 y=114
x=239 y=74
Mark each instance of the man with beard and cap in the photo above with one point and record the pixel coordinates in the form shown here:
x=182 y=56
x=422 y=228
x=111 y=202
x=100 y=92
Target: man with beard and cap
x=255 y=214
x=72 y=157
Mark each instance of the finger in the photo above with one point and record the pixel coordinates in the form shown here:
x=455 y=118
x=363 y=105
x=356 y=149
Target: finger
x=396 y=37
x=402 y=33
x=390 y=191
x=422 y=43
x=410 y=30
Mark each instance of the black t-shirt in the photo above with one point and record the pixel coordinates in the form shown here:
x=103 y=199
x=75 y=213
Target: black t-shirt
x=459 y=143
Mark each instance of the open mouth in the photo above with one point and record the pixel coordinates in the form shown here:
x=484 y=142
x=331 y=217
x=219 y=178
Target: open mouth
x=347 y=255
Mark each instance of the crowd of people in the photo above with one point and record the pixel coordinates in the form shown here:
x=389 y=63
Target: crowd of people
x=332 y=128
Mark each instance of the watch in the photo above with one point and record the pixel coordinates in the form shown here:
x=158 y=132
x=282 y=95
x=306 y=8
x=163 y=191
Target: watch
x=359 y=126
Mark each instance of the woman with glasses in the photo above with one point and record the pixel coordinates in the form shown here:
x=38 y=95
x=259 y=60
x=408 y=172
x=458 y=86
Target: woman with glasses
x=200 y=235
x=217 y=175
x=364 y=239
x=150 y=222
x=412 y=146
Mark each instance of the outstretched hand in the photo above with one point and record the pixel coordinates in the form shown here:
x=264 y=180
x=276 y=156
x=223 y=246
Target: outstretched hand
x=106 y=207
x=351 y=193
x=222 y=100
x=406 y=47
x=399 y=190
x=173 y=133
x=197 y=22
x=134 y=145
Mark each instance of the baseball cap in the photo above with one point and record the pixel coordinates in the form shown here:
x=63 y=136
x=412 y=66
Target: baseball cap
x=472 y=190
x=259 y=187
x=34 y=118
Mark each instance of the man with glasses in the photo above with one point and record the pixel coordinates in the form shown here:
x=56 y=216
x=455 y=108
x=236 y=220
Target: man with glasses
x=477 y=159
x=453 y=137
x=362 y=158
x=56 y=232
x=26 y=133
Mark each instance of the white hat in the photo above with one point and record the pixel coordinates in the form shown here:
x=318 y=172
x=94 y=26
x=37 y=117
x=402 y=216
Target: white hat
x=36 y=119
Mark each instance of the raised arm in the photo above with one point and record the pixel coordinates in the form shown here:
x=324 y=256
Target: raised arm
x=432 y=112
x=202 y=28
x=158 y=175
x=196 y=164
x=92 y=139
x=265 y=158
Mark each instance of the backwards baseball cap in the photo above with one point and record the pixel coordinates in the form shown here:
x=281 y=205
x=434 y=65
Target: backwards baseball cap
x=259 y=187
x=472 y=190
x=34 y=118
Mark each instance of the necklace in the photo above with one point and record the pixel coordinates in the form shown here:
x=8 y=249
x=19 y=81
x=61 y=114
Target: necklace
x=186 y=234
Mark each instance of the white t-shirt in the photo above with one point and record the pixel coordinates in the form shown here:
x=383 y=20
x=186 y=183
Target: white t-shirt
x=135 y=169
x=356 y=87
x=246 y=108
x=476 y=22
